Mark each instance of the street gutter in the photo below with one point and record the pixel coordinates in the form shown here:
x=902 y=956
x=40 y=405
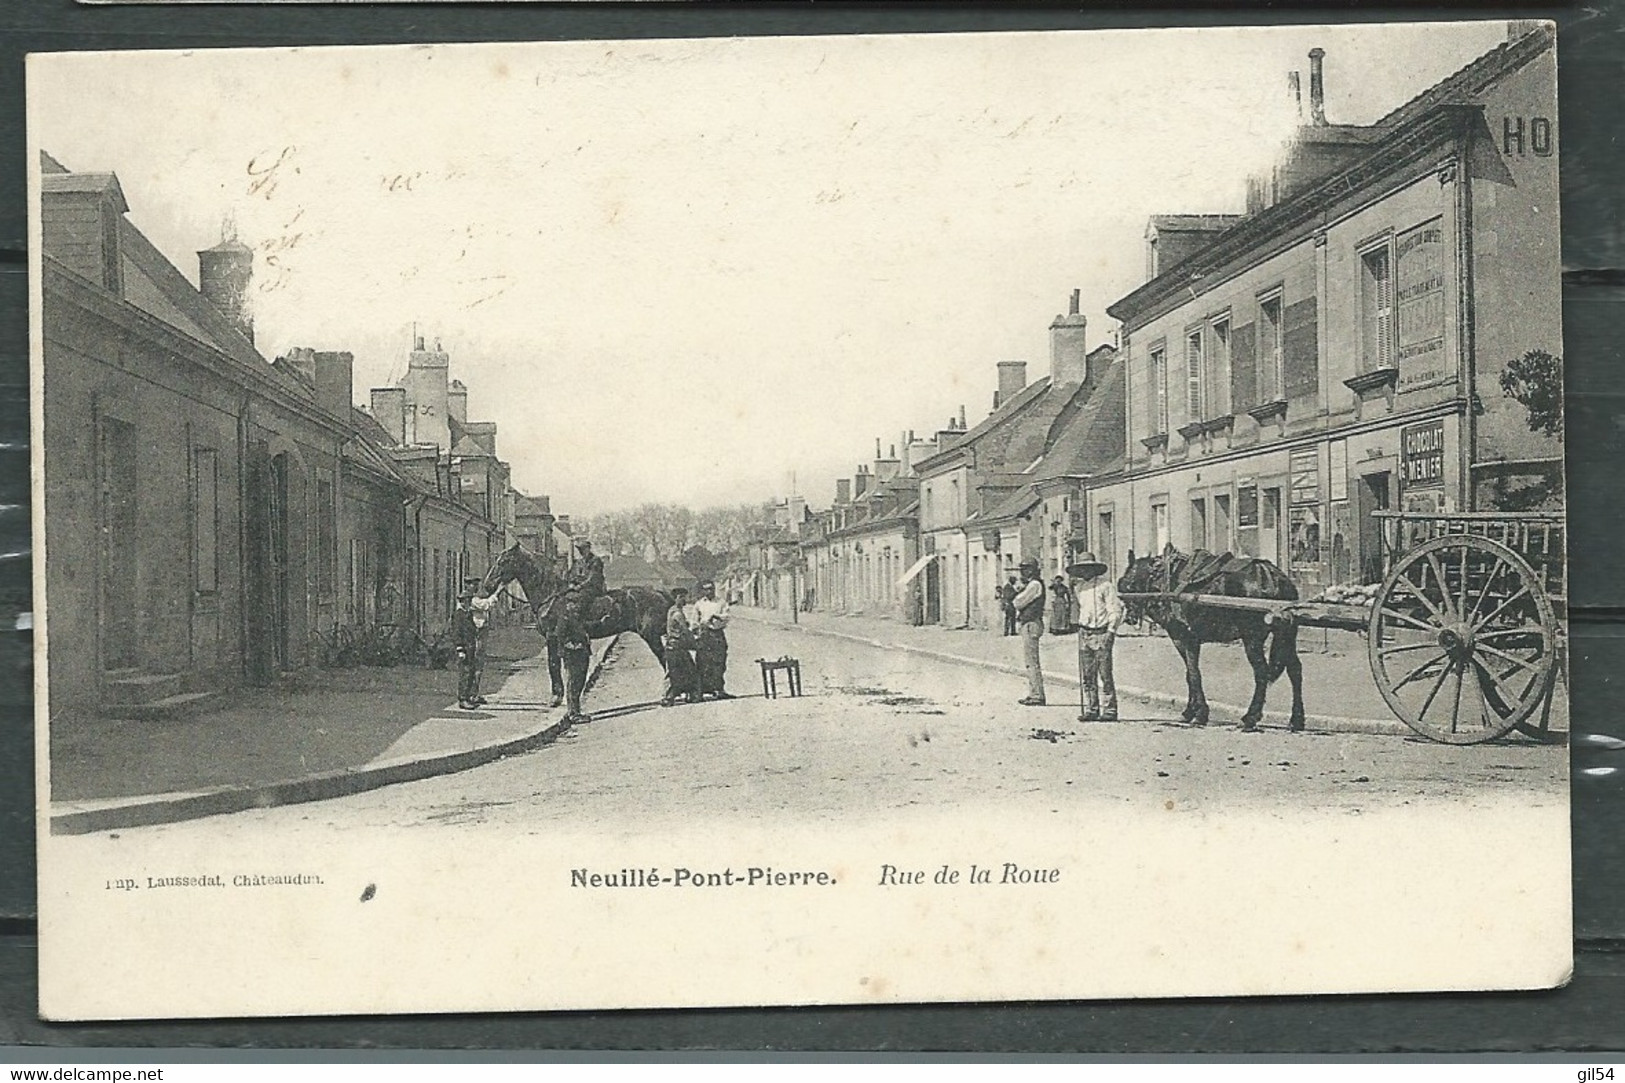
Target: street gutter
x=87 y=817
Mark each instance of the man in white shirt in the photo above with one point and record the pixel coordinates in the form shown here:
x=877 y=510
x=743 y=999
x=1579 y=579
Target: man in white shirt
x=711 y=646
x=469 y=625
x=1029 y=603
x=1099 y=614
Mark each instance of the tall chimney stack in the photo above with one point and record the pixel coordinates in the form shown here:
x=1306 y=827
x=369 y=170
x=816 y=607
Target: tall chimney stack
x=223 y=275
x=1317 y=86
x=1012 y=378
x=1294 y=87
x=1068 y=352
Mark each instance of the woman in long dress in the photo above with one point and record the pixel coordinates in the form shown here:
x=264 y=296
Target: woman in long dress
x=1060 y=608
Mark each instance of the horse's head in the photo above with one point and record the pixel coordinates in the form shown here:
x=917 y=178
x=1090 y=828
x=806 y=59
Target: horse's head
x=1140 y=576
x=1148 y=575
x=506 y=569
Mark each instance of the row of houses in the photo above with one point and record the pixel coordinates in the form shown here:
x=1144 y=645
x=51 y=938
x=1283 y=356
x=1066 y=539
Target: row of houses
x=211 y=514
x=1281 y=375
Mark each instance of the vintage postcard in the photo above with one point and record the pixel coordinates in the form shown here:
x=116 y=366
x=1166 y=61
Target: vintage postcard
x=799 y=521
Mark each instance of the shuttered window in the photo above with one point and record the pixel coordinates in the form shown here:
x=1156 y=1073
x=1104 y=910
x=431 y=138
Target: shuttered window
x=1219 y=384
x=1377 y=309
x=1193 y=377
x=1269 y=349
x=1159 y=390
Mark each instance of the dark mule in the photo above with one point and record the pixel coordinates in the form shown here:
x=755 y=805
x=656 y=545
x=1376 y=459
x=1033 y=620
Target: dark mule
x=1272 y=647
x=629 y=609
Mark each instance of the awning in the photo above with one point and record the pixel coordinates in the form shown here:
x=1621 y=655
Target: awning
x=916 y=568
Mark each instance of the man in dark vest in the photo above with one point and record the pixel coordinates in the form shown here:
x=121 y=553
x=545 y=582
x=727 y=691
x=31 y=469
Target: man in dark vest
x=1029 y=603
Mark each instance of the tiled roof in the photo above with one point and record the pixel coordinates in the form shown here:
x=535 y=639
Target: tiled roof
x=1012 y=505
x=994 y=421
x=1198 y=223
x=369 y=427
x=628 y=570
x=1470 y=80
x=153 y=284
x=85 y=182
x=1086 y=442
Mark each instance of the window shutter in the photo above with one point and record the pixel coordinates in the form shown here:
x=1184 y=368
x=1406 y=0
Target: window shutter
x=1159 y=391
x=1300 y=347
x=1193 y=373
x=1243 y=368
x=1385 y=311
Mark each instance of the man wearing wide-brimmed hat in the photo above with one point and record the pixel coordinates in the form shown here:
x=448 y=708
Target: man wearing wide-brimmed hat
x=1029 y=602
x=1099 y=613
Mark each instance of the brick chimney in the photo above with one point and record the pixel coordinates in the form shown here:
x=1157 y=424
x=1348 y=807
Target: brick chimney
x=843 y=491
x=302 y=359
x=886 y=466
x=79 y=222
x=335 y=375
x=1012 y=378
x=1317 y=86
x=428 y=391
x=223 y=274
x=388 y=407
x=1068 y=354
x=860 y=482
x=457 y=402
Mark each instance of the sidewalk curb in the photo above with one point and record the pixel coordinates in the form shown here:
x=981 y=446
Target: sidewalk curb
x=152 y=809
x=1314 y=722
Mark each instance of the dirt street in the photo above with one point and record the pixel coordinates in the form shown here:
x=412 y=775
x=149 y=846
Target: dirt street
x=882 y=732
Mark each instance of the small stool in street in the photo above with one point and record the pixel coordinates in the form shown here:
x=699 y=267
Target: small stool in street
x=790 y=667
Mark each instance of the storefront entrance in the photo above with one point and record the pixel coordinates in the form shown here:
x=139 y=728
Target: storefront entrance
x=1373 y=495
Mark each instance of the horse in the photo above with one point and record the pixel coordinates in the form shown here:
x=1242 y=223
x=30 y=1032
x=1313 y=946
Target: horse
x=628 y=609
x=1271 y=646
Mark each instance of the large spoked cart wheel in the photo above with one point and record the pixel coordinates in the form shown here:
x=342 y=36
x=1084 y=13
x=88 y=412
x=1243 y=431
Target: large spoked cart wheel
x=1463 y=639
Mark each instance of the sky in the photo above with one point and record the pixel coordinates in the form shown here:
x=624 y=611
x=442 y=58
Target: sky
x=706 y=271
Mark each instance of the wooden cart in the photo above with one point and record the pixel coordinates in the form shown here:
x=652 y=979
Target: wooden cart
x=1466 y=633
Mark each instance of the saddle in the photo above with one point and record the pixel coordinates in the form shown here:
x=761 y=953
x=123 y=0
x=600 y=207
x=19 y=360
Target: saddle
x=601 y=610
x=1204 y=569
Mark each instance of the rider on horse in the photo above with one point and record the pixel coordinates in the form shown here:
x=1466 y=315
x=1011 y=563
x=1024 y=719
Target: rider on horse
x=583 y=585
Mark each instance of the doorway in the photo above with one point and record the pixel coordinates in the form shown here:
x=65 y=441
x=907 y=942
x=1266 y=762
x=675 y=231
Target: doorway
x=1373 y=496
x=117 y=535
x=268 y=567
x=1269 y=526
x=933 y=594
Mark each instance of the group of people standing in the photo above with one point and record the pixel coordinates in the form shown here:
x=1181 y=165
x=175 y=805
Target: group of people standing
x=696 y=643
x=1088 y=605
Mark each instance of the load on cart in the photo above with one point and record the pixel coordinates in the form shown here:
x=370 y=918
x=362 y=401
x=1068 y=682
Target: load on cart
x=1465 y=633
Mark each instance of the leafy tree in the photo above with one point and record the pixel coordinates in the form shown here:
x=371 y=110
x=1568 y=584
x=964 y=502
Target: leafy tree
x=1536 y=381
